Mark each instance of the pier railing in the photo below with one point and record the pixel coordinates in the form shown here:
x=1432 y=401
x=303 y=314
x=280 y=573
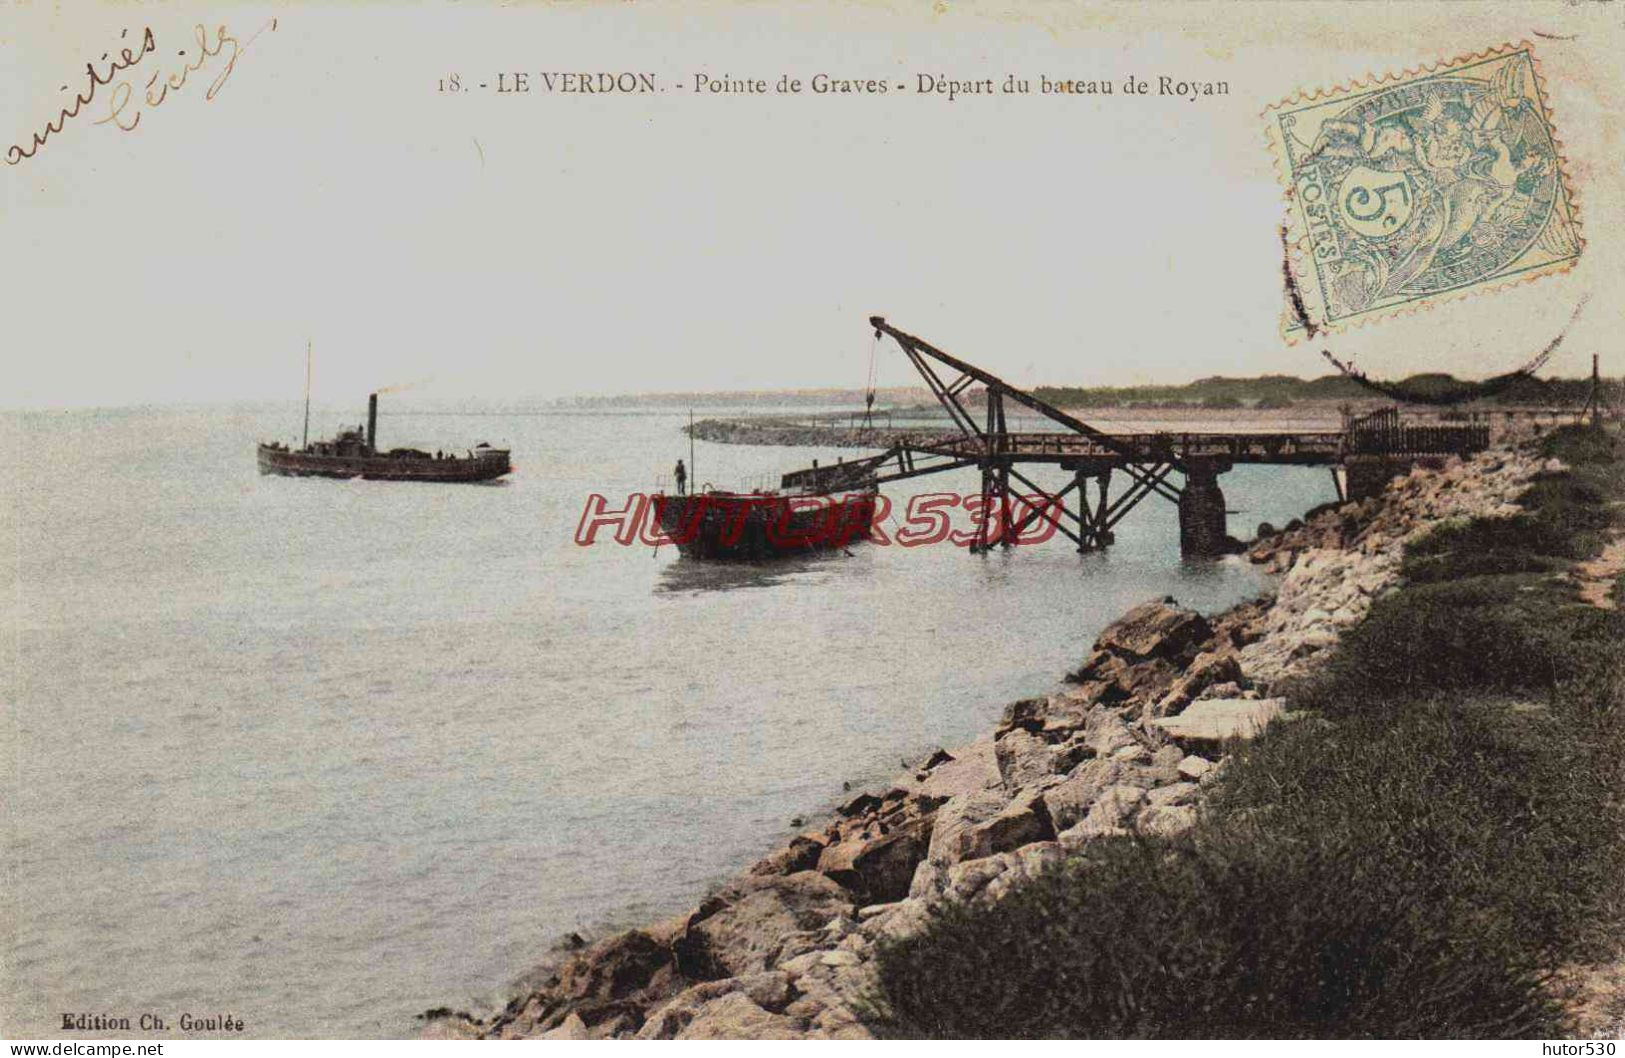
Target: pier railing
x=1312 y=448
x=1382 y=433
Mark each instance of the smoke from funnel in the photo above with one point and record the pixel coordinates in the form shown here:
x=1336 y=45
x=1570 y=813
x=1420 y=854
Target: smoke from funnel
x=401 y=387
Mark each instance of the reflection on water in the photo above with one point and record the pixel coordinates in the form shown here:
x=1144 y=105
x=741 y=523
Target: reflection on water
x=698 y=575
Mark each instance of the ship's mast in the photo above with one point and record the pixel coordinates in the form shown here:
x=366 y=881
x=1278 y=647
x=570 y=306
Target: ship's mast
x=306 y=442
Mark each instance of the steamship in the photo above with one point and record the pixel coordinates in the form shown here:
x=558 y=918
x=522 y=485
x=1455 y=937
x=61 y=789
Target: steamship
x=354 y=454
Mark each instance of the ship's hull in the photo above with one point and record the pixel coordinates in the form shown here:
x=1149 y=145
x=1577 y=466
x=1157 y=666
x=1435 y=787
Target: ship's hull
x=743 y=526
x=293 y=464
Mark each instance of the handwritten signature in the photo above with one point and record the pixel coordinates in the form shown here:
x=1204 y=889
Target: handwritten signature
x=17 y=151
x=120 y=111
x=120 y=99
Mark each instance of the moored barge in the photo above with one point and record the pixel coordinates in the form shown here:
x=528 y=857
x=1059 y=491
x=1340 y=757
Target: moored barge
x=812 y=510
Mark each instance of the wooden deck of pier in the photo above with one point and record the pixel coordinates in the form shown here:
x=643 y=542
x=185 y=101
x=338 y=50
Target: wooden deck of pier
x=1301 y=448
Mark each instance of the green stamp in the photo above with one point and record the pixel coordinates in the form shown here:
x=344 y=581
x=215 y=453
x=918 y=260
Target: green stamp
x=1414 y=189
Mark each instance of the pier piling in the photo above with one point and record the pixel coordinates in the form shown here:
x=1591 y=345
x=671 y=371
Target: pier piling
x=1202 y=528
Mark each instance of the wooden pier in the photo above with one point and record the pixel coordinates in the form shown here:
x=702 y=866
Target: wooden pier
x=1182 y=468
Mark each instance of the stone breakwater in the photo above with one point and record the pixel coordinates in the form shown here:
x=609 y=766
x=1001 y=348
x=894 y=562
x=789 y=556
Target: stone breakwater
x=784 y=432
x=1132 y=742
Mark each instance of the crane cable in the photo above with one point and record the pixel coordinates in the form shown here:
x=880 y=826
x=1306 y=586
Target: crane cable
x=869 y=388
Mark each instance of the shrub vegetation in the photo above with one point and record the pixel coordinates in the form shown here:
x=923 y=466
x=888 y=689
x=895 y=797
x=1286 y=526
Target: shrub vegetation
x=1413 y=858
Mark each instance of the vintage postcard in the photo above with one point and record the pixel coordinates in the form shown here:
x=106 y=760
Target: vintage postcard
x=719 y=520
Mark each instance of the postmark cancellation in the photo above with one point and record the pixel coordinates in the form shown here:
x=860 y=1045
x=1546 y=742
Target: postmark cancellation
x=1406 y=190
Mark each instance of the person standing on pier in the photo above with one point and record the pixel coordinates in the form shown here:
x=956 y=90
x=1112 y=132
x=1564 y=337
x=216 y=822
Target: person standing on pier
x=681 y=474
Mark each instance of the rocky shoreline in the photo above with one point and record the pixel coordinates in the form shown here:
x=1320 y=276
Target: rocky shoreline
x=1132 y=742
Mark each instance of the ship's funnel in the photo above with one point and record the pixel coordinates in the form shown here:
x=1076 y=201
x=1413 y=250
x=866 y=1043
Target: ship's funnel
x=372 y=422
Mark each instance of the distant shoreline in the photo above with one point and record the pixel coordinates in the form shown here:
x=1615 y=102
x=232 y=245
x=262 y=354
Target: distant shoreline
x=849 y=431
x=1261 y=392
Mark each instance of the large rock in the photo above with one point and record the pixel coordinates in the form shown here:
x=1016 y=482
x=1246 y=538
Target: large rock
x=972 y=768
x=969 y=877
x=770 y=991
x=1144 y=681
x=1027 y=713
x=1165 y=764
x=831 y=990
x=1166 y=820
x=1106 y=732
x=1179 y=793
x=1194 y=767
x=800 y=854
x=735 y=1017
x=1115 y=806
x=929 y=880
x=613 y=968
x=571 y=1028
x=1025 y=863
x=893 y=921
x=1210 y=668
x=978 y=825
x=959 y=815
x=859 y=806
x=1100 y=668
x=877 y=870
x=1024 y=821
x=1109 y=815
x=1213 y=721
x=1069 y=801
x=1024 y=758
x=1154 y=630
x=741 y=931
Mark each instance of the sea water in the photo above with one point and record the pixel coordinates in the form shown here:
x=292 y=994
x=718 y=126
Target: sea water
x=323 y=754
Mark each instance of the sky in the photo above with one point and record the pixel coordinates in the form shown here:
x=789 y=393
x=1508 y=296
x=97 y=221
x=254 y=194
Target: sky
x=540 y=245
